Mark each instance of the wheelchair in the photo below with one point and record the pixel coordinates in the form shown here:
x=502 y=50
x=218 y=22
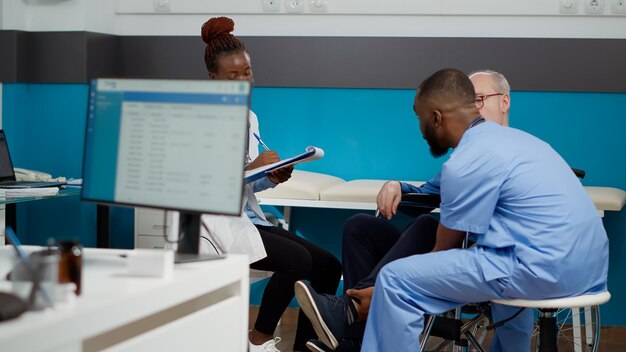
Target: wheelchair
x=468 y=328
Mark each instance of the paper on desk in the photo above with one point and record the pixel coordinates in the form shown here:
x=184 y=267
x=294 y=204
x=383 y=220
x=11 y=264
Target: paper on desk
x=311 y=154
x=28 y=192
x=76 y=182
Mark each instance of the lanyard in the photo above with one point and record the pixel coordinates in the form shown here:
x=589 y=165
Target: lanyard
x=475 y=122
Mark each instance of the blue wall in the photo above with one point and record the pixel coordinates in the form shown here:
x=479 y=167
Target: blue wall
x=45 y=127
x=366 y=133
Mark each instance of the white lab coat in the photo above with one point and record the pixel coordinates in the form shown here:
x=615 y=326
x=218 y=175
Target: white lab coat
x=236 y=234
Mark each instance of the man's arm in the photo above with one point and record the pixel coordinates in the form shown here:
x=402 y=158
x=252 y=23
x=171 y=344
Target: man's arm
x=429 y=187
x=390 y=194
x=448 y=239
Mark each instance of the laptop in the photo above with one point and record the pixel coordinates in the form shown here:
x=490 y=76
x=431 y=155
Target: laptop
x=7 y=174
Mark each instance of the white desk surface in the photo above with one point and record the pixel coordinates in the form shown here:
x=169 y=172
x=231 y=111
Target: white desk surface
x=111 y=298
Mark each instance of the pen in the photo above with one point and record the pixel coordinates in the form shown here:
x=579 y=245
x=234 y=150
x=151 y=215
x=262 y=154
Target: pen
x=34 y=273
x=260 y=141
x=377 y=215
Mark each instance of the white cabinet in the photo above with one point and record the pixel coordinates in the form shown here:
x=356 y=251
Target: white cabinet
x=151 y=227
x=203 y=306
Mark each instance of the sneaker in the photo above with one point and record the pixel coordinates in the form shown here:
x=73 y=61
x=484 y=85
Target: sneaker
x=268 y=346
x=329 y=315
x=317 y=346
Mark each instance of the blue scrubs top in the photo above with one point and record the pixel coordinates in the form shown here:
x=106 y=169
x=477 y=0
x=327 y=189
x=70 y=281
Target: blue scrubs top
x=530 y=215
x=527 y=211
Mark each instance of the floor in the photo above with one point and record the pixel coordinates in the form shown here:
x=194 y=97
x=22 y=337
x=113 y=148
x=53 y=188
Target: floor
x=612 y=339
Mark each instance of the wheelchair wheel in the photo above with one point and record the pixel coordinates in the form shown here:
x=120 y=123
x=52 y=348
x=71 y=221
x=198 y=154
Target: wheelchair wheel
x=473 y=328
x=585 y=338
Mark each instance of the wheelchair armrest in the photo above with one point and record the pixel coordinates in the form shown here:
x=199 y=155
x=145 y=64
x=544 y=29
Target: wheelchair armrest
x=421 y=200
x=415 y=204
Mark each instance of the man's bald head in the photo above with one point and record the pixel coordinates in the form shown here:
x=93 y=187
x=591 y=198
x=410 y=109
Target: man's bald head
x=492 y=95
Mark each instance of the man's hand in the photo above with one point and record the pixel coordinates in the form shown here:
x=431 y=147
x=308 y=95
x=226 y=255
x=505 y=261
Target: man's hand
x=364 y=297
x=388 y=199
x=265 y=158
x=281 y=175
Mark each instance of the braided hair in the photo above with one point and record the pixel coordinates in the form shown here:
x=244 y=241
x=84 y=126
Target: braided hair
x=216 y=33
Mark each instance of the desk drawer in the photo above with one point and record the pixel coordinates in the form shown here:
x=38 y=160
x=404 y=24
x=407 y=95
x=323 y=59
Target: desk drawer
x=150 y=222
x=142 y=241
x=218 y=327
x=149 y=228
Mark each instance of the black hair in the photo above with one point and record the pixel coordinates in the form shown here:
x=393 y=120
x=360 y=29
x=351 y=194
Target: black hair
x=450 y=82
x=216 y=33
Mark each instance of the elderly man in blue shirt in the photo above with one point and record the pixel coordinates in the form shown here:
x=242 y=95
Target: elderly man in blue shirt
x=536 y=229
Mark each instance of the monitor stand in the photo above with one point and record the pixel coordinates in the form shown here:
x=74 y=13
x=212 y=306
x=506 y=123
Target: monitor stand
x=189 y=243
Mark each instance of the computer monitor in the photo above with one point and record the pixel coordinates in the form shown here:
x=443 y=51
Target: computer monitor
x=168 y=144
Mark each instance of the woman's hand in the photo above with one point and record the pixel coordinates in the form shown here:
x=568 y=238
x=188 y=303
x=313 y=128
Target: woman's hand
x=281 y=175
x=265 y=158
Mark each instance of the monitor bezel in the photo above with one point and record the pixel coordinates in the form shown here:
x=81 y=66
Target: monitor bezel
x=93 y=84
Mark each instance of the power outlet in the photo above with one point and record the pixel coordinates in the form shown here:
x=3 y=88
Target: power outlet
x=294 y=6
x=318 y=6
x=162 y=5
x=618 y=7
x=568 y=7
x=594 y=7
x=270 y=5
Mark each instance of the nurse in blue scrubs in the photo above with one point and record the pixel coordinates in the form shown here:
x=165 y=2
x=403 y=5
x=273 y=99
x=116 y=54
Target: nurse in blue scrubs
x=538 y=234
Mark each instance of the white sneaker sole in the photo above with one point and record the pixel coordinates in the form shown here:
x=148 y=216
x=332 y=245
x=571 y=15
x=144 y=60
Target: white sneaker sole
x=310 y=310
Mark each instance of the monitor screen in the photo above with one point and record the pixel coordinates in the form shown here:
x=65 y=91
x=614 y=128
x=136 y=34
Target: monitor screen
x=171 y=144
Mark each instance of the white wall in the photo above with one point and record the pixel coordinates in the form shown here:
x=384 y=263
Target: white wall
x=59 y=15
x=414 y=18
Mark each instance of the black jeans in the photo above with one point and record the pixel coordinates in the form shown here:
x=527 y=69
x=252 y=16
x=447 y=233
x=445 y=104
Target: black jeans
x=369 y=243
x=292 y=258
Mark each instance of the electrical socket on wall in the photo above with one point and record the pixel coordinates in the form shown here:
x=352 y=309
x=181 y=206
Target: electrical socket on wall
x=618 y=7
x=318 y=6
x=568 y=7
x=162 y=5
x=270 y=5
x=594 y=7
x=294 y=6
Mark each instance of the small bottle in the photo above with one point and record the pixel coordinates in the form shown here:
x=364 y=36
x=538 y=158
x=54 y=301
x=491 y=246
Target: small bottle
x=71 y=263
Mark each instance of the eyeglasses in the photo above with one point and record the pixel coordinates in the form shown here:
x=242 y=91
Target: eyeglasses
x=480 y=99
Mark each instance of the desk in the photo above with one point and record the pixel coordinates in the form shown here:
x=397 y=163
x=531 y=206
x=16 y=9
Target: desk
x=203 y=307
x=63 y=192
x=102 y=214
x=9 y=205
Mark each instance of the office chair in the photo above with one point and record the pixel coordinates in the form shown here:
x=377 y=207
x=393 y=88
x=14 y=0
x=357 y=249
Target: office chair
x=466 y=328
